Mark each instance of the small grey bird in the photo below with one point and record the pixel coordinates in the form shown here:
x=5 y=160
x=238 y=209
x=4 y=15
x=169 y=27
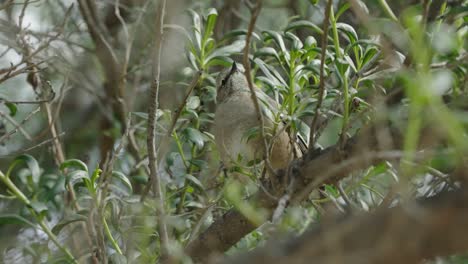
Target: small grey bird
x=235 y=116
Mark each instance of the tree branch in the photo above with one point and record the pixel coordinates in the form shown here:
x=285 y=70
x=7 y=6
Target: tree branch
x=151 y=138
x=406 y=234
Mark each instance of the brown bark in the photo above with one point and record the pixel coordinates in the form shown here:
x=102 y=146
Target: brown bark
x=328 y=165
x=405 y=234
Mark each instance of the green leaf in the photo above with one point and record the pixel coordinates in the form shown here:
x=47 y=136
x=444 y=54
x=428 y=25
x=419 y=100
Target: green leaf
x=236 y=46
x=313 y=2
x=96 y=173
x=369 y=55
x=11 y=219
x=220 y=61
x=31 y=163
x=331 y=190
x=12 y=107
x=194 y=136
x=348 y=30
x=194 y=180
x=310 y=42
x=201 y=164
x=297 y=43
x=39 y=207
x=196 y=23
x=193 y=102
x=141 y=179
x=342 y=9
x=123 y=179
x=304 y=24
x=267 y=51
x=79 y=176
x=74 y=163
x=238 y=32
x=68 y=220
x=277 y=38
x=210 y=24
x=272 y=74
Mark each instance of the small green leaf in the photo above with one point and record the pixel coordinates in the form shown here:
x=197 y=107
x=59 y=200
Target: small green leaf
x=210 y=24
x=193 y=102
x=310 y=42
x=331 y=190
x=39 y=207
x=313 y=2
x=369 y=55
x=267 y=51
x=235 y=47
x=194 y=136
x=342 y=9
x=12 y=107
x=304 y=24
x=68 y=220
x=31 y=163
x=238 y=32
x=196 y=23
x=141 y=179
x=78 y=176
x=126 y=182
x=96 y=173
x=348 y=30
x=296 y=42
x=194 y=180
x=277 y=38
x=11 y=219
x=74 y=163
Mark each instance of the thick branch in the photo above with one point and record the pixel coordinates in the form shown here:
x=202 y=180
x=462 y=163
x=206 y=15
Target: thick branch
x=406 y=234
x=315 y=170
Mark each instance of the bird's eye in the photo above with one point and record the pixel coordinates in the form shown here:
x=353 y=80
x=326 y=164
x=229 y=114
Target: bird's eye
x=223 y=82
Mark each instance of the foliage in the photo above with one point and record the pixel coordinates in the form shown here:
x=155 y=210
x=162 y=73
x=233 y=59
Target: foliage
x=407 y=71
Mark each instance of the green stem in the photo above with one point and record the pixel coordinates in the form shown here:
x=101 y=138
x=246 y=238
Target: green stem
x=388 y=10
x=109 y=235
x=20 y=196
x=184 y=189
x=291 y=86
x=339 y=55
x=181 y=150
x=346 y=107
x=52 y=237
x=336 y=40
x=16 y=192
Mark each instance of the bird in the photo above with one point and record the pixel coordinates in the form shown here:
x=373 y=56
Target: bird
x=236 y=116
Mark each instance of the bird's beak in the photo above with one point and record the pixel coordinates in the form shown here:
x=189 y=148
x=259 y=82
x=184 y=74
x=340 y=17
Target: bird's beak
x=234 y=67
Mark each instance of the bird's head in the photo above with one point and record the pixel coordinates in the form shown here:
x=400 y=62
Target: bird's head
x=229 y=81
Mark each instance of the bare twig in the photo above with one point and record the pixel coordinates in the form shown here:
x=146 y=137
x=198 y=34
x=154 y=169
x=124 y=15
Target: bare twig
x=165 y=140
x=22 y=151
x=16 y=125
x=6 y=4
x=255 y=13
x=155 y=179
x=313 y=125
x=8 y=135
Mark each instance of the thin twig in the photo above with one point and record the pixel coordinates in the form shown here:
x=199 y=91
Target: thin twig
x=16 y=125
x=165 y=140
x=255 y=12
x=426 y=4
x=155 y=179
x=22 y=151
x=8 y=135
x=313 y=125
